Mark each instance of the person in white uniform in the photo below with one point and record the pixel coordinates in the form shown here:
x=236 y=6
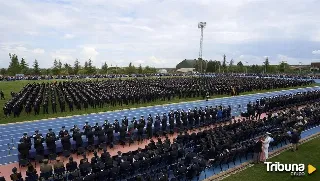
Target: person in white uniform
x=265 y=146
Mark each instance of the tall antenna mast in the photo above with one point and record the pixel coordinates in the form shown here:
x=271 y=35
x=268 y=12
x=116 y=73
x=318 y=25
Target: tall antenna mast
x=201 y=26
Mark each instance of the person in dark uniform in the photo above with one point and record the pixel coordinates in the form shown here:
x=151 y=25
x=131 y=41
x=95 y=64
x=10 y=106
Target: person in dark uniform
x=71 y=165
x=84 y=166
x=140 y=131
x=26 y=139
x=16 y=176
x=171 y=124
x=157 y=125
x=90 y=137
x=149 y=129
x=65 y=141
x=257 y=150
x=54 y=107
x=123 y=132
x=51 y=141
x=106 y=125
x=125 y=121
x=207 y=96
x=23 y=149
x=75 y=129
x=38 y=143
x=45 y=107
x=77 y=137
x=86 y=128
x=110 y=135
x=116 y=126
x=101 y=136
x=63 y=132
x=164 y=122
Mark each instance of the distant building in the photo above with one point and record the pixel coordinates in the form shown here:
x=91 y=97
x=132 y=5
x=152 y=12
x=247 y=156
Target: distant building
x=298 y=67
x=185 y=70
x=186 y=63
x=315 y=66
x=162 y=71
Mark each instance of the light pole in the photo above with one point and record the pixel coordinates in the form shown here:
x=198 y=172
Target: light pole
x=284 y=65
x=201 y=26
x=246 y=69
x=300 y=63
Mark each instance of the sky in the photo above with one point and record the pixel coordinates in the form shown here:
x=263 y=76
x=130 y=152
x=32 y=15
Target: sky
x=159 y=33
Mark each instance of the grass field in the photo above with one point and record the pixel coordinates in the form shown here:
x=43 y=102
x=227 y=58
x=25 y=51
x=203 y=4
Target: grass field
x=308 y=153
x=16 y=86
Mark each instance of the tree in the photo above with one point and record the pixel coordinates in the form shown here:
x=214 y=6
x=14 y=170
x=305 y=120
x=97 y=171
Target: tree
x=23 y=66
x=283 y=66
x=255 y=69
x=104 y=68
x=55 y=69
x=231 y=62
x=240 y=64
x=76 y=67
x=210 y=66
x=67 y=69
x=36 y=69
x=266 y=65
x=14 y=66
x=131 y=69
x=239 y=67
x=59 y=65
x=200 y=65
x=3 y=71
x=90 y=69
x=224 y=63
x=140 y=70
x=149 y=70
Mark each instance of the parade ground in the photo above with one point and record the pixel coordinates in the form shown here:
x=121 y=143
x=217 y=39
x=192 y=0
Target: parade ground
x=11 y=133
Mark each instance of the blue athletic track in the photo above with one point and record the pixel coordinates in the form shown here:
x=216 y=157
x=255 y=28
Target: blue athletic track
x=11 y=133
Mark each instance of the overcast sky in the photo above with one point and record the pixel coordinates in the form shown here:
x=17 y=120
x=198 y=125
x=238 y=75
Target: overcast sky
x=159 y=33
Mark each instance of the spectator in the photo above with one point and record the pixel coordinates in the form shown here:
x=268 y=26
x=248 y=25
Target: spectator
x=15 y=176
x=31 y=171
x=295 y=137
x=257 y=150
x=45 y=167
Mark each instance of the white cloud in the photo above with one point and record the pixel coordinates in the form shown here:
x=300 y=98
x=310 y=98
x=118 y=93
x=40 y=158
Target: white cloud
x=157 y=33
x=139 y=62
x=316 y=52
x=68 y=36
x=38 y=51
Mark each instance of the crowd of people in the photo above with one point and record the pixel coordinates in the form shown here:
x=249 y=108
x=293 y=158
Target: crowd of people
x=66 y=77
x=187 y=156
x=83 y=95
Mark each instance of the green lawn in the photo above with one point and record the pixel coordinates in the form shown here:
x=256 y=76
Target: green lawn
x=308 y=153
x=16 y=86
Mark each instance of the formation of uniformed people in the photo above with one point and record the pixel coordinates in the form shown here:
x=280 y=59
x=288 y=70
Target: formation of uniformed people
x=174 y=121
x=190 y=153
x=84 y=94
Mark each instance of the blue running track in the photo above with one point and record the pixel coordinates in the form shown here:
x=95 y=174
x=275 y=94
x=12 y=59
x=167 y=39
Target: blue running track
x=11 y=133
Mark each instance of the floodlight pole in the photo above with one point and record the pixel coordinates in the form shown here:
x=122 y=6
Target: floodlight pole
x=201 y=25
x=300 y=63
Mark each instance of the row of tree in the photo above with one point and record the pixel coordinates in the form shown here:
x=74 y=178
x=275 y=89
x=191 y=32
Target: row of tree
x=225 y=66
x=58 y=68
